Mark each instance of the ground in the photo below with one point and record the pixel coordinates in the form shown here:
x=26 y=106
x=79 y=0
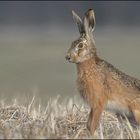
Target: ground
x=59 y=120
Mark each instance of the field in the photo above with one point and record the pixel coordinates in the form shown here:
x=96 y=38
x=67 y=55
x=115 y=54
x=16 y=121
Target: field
x=58 y=120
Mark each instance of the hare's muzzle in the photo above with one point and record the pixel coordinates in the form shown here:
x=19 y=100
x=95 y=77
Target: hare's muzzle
x=71 y=56
x=68 y=57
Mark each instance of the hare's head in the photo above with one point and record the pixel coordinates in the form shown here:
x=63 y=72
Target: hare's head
x=84 y=47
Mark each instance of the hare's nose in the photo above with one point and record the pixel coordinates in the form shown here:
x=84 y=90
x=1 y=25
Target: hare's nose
x=67 y=57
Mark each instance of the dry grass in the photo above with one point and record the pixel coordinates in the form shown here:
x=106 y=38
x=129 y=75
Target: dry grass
x=59 y=120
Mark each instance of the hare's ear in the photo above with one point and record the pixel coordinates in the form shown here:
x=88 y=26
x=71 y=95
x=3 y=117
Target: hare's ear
x=79 y=22
x=89 y=21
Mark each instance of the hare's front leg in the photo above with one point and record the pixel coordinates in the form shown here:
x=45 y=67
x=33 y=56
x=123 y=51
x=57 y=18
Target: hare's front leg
x=94 y=116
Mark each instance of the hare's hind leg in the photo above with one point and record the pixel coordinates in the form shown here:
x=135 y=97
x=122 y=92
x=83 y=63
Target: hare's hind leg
x=136 y=114
x=130 y=118
x=135 y=109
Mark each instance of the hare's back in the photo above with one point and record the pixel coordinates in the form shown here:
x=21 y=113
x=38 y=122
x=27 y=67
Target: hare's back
x=127 y=80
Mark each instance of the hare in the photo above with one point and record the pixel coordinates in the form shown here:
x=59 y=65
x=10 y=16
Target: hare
x=101 y=84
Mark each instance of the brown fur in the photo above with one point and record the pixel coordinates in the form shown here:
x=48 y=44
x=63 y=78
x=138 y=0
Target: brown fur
x=101 y=84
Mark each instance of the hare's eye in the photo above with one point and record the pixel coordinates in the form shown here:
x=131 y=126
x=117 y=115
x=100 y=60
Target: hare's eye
x=81 y=45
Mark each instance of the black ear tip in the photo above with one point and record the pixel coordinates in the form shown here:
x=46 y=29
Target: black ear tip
x=90 y=10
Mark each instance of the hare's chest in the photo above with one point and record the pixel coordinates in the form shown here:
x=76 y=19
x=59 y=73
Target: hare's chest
x=86 y=87
x=82 y=86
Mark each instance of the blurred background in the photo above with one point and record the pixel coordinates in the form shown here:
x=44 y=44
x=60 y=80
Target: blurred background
x=35 y=36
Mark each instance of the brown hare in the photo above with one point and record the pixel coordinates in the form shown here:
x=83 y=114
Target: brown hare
x=100 y=83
